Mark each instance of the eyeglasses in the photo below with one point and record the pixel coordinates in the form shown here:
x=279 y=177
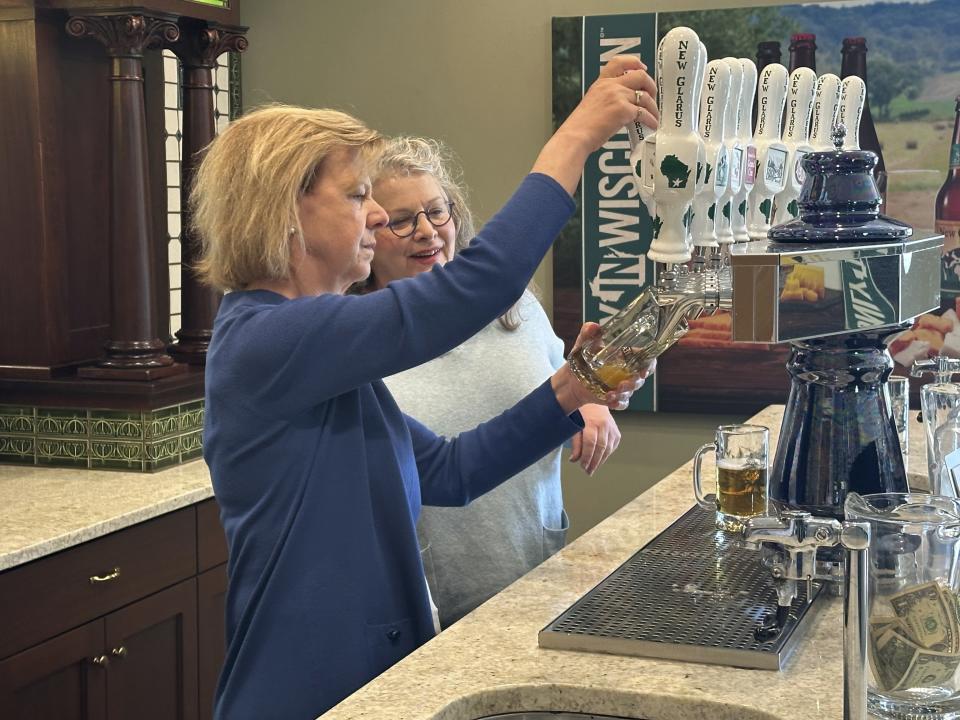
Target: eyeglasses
x=406 y=225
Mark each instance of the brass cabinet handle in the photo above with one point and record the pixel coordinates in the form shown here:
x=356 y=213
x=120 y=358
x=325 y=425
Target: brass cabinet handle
x=101 y=660
x=113 y=575
x=120 y=652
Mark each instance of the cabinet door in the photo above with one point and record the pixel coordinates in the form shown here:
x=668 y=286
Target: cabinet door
x=152 y=646
x=211 y=598
x=58 y=679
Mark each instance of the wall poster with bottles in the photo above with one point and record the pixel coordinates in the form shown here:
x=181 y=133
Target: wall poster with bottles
x=909 y=119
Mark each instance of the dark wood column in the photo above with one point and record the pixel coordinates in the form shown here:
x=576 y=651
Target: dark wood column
x=198 y=48
x=133 y=352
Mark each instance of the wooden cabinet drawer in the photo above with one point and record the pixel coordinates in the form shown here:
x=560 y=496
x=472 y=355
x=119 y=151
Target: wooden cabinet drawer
x=56 y=593
x=211 y=542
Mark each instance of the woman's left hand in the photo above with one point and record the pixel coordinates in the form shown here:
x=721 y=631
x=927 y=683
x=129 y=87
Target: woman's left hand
x=598 y=439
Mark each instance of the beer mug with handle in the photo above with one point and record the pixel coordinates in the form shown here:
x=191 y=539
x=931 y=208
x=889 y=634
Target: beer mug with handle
x=742 y=474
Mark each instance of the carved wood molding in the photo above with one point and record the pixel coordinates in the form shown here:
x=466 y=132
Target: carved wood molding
x=125 y=35
x=200 y=45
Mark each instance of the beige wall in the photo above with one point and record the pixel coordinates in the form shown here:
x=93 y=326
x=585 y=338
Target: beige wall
x=475 y=74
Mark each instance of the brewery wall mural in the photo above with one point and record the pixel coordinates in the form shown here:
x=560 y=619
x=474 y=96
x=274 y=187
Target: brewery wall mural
x=913 y=80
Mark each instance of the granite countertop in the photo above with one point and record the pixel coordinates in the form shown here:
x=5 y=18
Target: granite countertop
x=489 y=661
x=44 y=510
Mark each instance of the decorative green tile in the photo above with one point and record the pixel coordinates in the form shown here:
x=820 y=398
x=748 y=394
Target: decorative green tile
x=116 y=428
x=114 y=439
x=163 y=427
x=17 y=420
x=62 y=448
x=17 y=449
x=61 y=423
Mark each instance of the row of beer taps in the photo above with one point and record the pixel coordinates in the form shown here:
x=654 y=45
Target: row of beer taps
x=708 y=180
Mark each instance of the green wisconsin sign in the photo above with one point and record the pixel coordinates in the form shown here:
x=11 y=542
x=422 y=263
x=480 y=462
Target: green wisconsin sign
x=616 y=226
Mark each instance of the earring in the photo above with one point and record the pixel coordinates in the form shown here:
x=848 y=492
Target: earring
x=293 y=230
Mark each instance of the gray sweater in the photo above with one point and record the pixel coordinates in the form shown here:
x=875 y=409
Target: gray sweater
x=471 y=553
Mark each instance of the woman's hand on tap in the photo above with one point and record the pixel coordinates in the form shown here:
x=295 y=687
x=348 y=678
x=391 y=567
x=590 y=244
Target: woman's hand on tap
x=623 y=93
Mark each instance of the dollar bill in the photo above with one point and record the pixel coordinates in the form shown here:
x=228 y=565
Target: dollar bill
x=893 y=656
x=929 y=669
x=929 y=614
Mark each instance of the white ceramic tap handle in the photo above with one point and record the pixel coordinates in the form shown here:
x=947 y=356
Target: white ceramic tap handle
x=799 y=105
x=795 y=137
x=853 y=94
x=826 y=99
x=713 y=101
x=697 y=95
x=678 y=147
x=738 y=212
x=771 y=162
x=770 y=99
x=735 y=153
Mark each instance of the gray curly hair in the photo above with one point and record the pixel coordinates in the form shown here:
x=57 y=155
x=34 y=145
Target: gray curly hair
x=406 y=155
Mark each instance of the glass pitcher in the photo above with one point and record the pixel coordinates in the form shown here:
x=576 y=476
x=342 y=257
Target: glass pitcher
x=913 y=600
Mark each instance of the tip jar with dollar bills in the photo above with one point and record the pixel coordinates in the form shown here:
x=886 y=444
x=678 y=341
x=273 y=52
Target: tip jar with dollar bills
x=913 y=642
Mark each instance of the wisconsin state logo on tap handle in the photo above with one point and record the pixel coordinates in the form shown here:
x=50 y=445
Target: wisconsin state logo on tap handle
x=735 y=153
x=716 y=169
x=748 y=167
x=853 y=94
x=678 y=146
x=771 y=167
x=826 y=98
x=795 y=137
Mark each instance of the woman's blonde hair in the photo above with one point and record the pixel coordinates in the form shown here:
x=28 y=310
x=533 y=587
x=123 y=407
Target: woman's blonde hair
x=245 y=193
x=405 y=155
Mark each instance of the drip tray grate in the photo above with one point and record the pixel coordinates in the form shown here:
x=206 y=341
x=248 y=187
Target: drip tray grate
x=690 y=594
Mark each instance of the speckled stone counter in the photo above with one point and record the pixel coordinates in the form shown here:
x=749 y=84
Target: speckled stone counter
x=44 y=510
x=489 y=662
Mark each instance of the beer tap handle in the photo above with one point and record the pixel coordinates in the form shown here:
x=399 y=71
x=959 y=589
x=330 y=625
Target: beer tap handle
x=853 y=94
x=713 y=100
x=738 y=212
x=725 y=204
x=771 y=152
x=678 y=147
x=795 y=134
x=826 y=100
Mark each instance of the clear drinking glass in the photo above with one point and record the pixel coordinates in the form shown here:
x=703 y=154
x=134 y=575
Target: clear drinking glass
x=743 y=476
x=941 y=419
x=912 y=599
x=898 y=404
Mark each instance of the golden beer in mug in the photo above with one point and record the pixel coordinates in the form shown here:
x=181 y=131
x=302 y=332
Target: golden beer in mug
x=742 y=475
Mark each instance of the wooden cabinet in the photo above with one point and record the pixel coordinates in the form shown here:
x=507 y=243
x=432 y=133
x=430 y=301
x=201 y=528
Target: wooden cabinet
x=149 y=648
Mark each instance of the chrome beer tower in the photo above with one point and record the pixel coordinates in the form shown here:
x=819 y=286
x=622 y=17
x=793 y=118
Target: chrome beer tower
x=834 y=282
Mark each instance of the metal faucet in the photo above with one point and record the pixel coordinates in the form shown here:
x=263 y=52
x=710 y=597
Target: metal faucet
x=795 y=537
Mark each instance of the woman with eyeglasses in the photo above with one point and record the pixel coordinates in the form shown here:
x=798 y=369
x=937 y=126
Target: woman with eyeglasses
x=471 y=553
x=318 y=474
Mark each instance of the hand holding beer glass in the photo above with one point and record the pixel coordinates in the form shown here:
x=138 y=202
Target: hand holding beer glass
x=742 y=474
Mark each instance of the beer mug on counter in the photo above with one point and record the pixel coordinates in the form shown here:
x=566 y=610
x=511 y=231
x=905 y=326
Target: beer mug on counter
x=742 y=474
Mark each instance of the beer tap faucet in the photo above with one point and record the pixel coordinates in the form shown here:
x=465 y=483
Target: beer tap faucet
x=795 y=537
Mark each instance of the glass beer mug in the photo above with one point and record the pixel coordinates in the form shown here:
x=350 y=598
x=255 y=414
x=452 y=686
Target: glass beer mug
x=629 y=341
x=742 y=474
